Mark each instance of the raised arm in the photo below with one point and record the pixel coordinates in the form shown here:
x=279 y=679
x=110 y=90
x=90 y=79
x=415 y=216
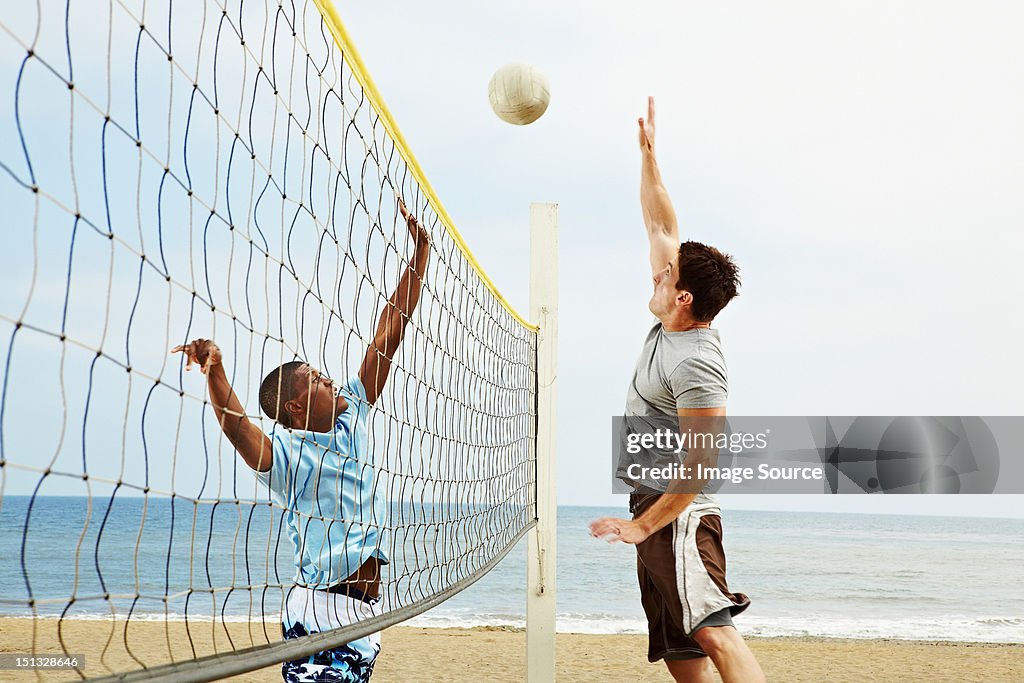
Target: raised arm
x=252 y=444
x=373 y=372
x=659 y=216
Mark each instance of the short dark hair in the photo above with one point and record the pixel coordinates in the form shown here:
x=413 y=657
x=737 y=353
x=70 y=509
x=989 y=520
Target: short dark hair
x=277 y=388
x=710 y=276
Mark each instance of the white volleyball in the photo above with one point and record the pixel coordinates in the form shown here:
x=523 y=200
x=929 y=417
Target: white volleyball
x=518 y=93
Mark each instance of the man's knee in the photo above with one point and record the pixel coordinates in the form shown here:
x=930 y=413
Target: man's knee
x=696 y=670
x=718 y=641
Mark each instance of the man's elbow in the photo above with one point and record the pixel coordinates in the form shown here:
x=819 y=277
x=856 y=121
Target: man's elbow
x=385 y=345
x=260 y=462
x=259 y=466
x=705 y=457
x=662 y=228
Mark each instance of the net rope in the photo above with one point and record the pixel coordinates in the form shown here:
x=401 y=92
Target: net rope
x=180 y=170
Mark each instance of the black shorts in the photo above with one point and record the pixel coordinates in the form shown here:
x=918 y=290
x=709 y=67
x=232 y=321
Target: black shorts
x=681 y=570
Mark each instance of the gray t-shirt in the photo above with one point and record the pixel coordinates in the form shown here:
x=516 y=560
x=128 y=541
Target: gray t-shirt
x=675 y=370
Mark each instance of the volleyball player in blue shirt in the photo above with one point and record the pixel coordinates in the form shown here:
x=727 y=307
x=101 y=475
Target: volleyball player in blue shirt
x=319 y=470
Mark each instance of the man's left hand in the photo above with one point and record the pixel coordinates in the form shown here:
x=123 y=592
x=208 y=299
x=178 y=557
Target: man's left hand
x=420 y=236
x=624 y=530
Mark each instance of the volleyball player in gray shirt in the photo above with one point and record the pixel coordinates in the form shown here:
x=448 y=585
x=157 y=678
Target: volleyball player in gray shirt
x=681 y=373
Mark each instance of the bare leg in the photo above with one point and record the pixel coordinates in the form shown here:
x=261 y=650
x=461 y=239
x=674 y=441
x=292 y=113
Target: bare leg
x=733 y=659
x=691 y=670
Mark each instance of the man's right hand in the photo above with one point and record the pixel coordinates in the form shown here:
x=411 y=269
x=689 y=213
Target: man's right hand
x=203 y=352
x=252 y=444
x=647 y=129
x=659 y=216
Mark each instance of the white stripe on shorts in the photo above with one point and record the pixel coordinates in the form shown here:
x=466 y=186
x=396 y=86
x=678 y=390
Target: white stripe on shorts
x=698 y=593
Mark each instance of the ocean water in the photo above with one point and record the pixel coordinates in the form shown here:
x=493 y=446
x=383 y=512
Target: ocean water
x=835 y=575
x=807 y=574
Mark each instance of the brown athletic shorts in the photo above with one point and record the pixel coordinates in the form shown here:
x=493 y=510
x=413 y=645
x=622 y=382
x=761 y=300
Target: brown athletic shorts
x=681 y=569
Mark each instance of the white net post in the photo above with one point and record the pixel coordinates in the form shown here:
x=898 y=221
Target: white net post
x=541 y=565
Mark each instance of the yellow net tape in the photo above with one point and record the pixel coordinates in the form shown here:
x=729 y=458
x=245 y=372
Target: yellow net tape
x=355 y=62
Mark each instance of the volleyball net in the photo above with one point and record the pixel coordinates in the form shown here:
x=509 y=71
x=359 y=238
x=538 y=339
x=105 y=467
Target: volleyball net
x=226 y=170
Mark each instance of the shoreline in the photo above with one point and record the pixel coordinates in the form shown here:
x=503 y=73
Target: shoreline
x=508 y=628
x=746 y=636
x=498 y=653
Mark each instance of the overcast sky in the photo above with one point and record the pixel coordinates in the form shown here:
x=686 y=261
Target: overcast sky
x=862 y=161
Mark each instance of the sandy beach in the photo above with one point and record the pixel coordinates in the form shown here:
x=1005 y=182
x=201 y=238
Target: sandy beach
x=494 y=654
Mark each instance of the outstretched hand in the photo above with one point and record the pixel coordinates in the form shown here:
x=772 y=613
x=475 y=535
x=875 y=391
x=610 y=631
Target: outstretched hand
x=203 y=352
x=624 y=530
x=647 y=128
x=419 y=235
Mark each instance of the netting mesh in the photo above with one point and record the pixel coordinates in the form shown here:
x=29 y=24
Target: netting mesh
x=205 y=169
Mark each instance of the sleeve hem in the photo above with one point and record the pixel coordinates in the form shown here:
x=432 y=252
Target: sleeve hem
x=703 y=404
